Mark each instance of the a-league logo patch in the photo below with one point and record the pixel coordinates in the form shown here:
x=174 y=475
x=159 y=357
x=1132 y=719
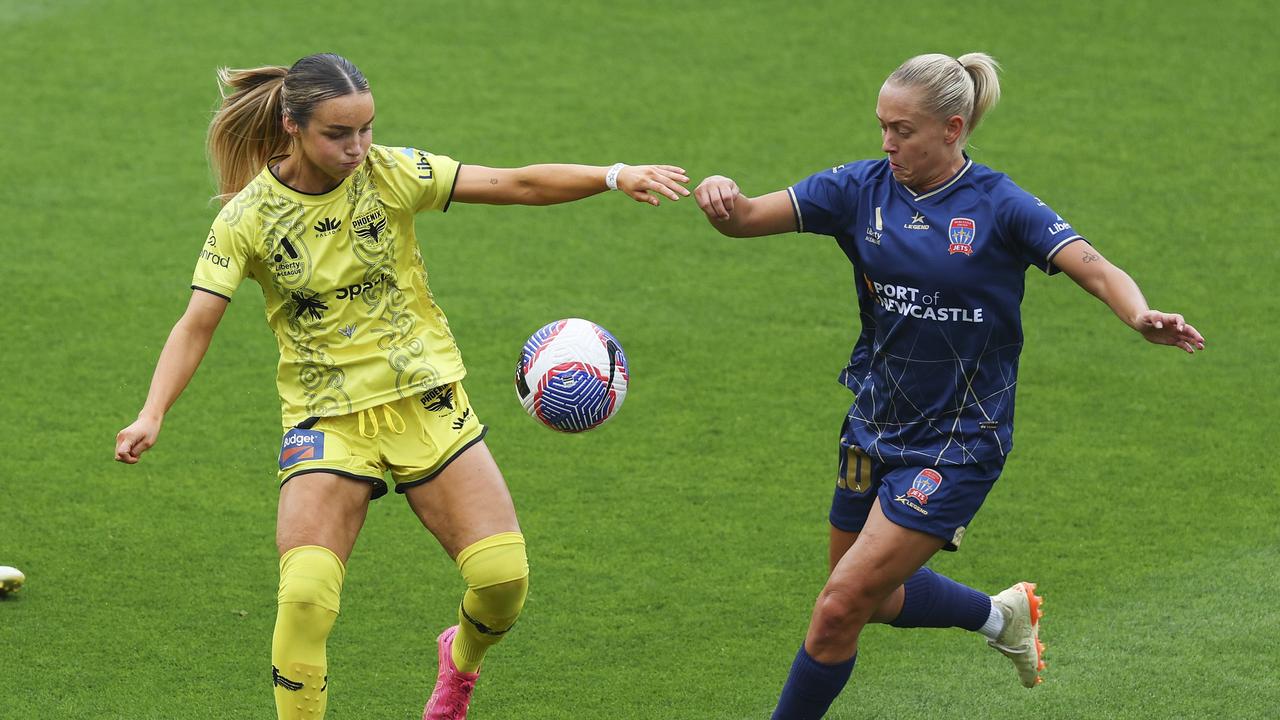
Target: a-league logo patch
x=301 y=445
x=925 y=484
x=961 y=233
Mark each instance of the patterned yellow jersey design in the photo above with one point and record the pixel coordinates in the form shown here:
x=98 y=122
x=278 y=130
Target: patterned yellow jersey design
x=345 y=287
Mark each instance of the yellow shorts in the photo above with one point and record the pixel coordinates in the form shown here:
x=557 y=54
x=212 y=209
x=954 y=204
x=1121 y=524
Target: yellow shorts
x=413 y=438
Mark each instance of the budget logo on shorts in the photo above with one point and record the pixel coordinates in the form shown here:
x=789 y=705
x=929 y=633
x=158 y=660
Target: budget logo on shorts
x=925 y=484
x=300 y=446
x=961 y=234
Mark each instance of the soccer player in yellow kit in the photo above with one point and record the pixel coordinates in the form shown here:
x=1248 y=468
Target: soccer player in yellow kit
x=369 y=374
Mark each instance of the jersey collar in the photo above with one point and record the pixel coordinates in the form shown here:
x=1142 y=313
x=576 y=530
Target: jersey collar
x=303 y=197
x=968 y=163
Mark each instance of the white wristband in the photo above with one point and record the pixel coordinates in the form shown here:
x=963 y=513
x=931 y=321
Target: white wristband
x=611 y=177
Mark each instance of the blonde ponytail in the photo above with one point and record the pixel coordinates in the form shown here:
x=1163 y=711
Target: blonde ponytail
x=982 y=70
x=967 y=86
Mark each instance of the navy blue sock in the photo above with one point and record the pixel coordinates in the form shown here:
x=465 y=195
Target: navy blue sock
x=934 y=600
x=811 y=687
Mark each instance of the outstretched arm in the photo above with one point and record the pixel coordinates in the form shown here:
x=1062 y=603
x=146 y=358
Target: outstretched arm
x=551 y=184
x=178 y=361
x=737 y=215
x=1114 y=287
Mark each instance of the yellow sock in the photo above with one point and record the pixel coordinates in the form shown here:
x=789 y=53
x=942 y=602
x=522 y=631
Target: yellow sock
x=497 y=574
x=310 y=583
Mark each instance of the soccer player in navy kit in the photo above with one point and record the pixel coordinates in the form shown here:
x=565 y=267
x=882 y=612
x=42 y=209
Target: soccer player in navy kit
x=940 y=246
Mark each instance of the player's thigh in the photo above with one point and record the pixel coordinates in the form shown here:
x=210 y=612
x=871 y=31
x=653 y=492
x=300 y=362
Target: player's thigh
x=884 y=556
x=467 y=501
x=913 y=507
x=324 y=509
x=838 y=543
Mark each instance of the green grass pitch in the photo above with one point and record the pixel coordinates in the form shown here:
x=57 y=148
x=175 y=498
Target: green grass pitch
x=675 y=552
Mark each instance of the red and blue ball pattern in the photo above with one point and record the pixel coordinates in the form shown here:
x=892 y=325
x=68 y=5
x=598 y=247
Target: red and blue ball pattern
x=572 y=375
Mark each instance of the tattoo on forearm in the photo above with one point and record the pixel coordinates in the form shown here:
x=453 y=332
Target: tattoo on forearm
x=493 y=181
x=1090 y=257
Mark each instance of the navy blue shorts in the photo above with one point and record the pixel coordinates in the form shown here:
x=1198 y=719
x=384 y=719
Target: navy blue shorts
x=939 y=500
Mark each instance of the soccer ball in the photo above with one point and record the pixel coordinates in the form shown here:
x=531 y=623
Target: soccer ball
x=572 y=375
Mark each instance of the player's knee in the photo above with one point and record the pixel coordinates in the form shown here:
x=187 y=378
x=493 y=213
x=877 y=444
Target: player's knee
x=496 y=570
x=840 y=614
x=311 y=575
x=494 y=609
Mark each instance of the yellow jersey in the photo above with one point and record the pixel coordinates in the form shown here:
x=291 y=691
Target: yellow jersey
x=344 y=283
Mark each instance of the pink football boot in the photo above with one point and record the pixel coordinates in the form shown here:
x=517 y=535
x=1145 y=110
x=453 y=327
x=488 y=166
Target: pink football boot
x=453 y=690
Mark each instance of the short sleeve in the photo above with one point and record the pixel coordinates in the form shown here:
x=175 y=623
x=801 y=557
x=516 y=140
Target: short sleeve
x=422 y=180
x=823 y=201
x=223 y=260
x=1035 y=231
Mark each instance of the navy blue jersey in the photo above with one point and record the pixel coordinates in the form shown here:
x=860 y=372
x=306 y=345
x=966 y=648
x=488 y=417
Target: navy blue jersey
x=940 y=278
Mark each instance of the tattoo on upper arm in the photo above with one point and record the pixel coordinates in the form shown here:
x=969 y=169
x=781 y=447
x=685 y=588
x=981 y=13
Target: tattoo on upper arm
x=1090 y=257
x=493 y=181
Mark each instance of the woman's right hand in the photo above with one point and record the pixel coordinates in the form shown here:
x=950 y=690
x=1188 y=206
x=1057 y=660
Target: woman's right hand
x=716 y=196
x=136 y=439
x=737 y=215
x=178 y=361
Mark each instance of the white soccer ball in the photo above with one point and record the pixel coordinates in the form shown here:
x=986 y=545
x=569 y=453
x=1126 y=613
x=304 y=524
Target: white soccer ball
x=11 y=579
x=572 y=375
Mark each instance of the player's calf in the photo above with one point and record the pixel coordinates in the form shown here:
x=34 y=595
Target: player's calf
x=310 y=585
x=497 y=573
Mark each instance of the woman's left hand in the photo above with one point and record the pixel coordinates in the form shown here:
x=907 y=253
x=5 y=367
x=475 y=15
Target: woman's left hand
x=1164 y=328
x=645 y=182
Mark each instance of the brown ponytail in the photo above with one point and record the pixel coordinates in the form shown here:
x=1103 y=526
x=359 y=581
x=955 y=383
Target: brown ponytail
x=247 y=131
